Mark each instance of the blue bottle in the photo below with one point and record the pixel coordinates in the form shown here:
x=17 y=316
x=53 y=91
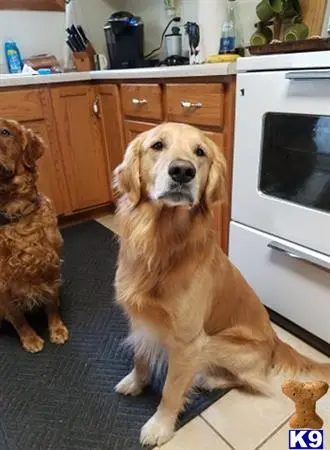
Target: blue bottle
x=13 y=57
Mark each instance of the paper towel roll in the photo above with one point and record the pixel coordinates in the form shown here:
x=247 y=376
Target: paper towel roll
x=211 y=14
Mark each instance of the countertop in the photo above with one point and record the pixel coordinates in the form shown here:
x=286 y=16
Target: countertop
x=198 y=70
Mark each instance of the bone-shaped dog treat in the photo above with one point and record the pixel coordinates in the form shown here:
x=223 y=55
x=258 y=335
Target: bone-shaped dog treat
x=305 y=396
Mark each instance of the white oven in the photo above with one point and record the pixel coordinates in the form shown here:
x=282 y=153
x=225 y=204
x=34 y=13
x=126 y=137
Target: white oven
x=281 y=185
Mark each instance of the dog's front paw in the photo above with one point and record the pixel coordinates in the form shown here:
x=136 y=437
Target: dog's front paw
x=157 y=431
x=59 y=334
x=33 y=343
x=130 y=385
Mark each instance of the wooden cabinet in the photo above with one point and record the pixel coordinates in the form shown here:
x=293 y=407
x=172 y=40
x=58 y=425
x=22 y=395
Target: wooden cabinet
x=112 y=125
x=79 y=129
x=197 y=103
x=208 y=105
x=142 y=100
x=134 y=128
x=33 y=108
x=86 y=127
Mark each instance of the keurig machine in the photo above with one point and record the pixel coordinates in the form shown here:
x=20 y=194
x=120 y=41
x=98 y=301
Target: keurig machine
x=124 y=35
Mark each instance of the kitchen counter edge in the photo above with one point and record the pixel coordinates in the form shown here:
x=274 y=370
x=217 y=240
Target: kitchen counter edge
x=198 y=70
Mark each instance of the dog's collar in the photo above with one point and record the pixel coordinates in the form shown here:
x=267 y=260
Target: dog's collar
x=5 y=219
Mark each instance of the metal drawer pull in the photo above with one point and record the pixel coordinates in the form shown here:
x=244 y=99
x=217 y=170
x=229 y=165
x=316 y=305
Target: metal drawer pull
x=301 y=256
x=96 y=107
x=137 y=101
x=308 y=75
x=188 y=105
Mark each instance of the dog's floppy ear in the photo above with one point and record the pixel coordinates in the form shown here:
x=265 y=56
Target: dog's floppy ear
x=215 y=191
x=126 y=177
x=34 y=148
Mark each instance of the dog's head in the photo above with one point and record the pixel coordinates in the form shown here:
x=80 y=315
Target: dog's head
x=20 y=149
x=174 y=165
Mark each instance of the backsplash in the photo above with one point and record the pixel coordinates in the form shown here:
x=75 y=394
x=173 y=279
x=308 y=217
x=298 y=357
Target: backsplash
x=44 y=32
x=40 y=32
x=35 y=32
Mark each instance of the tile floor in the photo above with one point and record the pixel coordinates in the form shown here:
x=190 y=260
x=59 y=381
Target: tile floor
x=242 y=421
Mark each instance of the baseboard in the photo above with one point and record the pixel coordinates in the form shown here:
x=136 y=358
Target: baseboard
x=306 y=336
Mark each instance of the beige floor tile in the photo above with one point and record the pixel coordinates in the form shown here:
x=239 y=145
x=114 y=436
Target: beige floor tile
x=280 y=439
x=299 y=345
x=196 y=435
x=110 y=221
x=246 y=420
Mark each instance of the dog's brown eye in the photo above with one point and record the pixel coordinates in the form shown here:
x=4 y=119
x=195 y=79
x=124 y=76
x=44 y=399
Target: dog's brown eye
x=4 y=132
x=158 y=146
x=199 y=152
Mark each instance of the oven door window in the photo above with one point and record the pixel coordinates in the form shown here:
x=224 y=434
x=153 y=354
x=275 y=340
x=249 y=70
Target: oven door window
x=295 y=160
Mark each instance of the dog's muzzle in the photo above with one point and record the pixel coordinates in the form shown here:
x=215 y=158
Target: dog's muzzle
x=180 y=186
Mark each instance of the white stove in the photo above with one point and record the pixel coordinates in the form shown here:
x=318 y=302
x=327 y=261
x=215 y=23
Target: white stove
x=280 y=228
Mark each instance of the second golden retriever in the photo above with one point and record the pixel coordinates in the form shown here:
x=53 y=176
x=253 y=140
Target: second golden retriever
x=30 y=241
x=184 y=299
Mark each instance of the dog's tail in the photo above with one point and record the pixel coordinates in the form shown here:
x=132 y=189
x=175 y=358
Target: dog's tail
x=290 y=362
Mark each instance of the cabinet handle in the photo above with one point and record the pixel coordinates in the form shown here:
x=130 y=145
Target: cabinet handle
x=137 y=101
x=96 y=107
x=190 y=105
x=300 y=255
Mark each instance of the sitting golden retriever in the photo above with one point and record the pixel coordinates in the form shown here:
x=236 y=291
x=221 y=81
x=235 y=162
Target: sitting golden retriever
x=30 y=241
x=184 y=299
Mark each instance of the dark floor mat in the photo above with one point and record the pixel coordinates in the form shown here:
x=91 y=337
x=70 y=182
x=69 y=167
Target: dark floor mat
x=63 y=397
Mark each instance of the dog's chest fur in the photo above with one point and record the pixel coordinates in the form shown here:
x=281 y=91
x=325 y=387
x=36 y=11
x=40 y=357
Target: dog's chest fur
x=30 y=258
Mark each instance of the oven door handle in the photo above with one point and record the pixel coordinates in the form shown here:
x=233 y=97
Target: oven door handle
x=300 y=255
x=304 y=75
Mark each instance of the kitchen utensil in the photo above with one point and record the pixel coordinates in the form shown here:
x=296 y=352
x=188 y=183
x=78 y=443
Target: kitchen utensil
x=173 y=43
x=193 y=32
x=267 y=9
x=82 y=34
x=313 y=12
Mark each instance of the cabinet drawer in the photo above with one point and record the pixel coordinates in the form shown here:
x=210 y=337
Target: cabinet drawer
x=21 y=105
x=142 y=100
x=295 y=289
x=198 y=104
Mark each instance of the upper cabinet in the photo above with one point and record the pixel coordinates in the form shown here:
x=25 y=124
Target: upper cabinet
x=78 y=122
x=33 y=5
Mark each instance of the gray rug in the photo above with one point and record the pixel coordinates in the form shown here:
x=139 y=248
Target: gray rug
x=63 y=397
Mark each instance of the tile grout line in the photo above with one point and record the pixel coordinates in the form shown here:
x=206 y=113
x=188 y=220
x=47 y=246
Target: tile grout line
x=277 y=430
x=217 y=433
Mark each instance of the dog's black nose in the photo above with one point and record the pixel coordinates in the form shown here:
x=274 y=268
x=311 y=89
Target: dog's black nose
x=181 y=171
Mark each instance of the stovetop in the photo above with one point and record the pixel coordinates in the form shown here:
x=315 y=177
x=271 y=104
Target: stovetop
x=288 y=61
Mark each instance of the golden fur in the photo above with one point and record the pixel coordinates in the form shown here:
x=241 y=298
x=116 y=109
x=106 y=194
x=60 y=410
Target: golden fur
x=183 y=297
x=30 y=245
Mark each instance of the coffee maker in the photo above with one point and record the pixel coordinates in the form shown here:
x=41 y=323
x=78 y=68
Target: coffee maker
x=124 y=34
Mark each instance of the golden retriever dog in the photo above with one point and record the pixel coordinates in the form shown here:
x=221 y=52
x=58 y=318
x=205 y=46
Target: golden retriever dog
x=186 y=302
x=30 y=241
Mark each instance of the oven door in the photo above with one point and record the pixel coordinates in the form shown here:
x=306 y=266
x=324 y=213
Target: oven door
x=281 y=179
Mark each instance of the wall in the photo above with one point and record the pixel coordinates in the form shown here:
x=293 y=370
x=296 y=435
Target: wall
x=208 y=13
x=35 y=32
x=44 y=32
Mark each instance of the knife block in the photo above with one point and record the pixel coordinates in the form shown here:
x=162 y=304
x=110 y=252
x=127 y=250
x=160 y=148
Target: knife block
x=84 y=61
